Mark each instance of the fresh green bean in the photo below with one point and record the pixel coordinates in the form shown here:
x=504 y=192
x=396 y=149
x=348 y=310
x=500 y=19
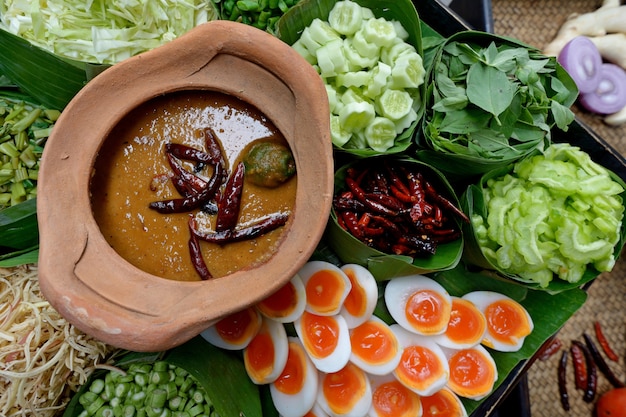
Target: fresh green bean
x=262 y=14
x=157 y=390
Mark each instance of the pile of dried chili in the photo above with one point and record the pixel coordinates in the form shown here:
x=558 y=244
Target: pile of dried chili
x=394 y=207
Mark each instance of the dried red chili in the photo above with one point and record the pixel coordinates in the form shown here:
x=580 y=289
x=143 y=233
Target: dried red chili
x=604 y=343
x=230 y=200
x=196 y=253
x=563 y=395
x=580 y=366
x=592 y=375
x=550 y=348
x=237 y=235
x=602 y=365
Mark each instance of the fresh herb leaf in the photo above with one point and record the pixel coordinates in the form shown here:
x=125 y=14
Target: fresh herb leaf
x=489 y=88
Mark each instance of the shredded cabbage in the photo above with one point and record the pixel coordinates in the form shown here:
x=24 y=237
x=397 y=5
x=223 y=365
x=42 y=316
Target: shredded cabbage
x=102 y=31
x=554 y=214
x=43 y=358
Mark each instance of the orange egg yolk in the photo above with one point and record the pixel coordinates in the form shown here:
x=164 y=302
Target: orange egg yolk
x=281 y=303
x=471 y=373
x=392 y=399
x=374 y=343
x=239 y=326
x=507 y=321
x=259 y=355
x=419 y=367
x=344 y=388
x=443 y=403
x=320 y=334
x=467 y=324
x=291 y=380
x=324 y=290
x=427 y=311
x=356 y=301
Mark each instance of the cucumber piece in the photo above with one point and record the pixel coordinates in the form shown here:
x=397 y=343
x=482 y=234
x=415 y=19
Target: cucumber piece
x=356 y=116
x=394 y=104
x=356 y=61
x=308 y=42
x=321 y=32
x=363 y=47
x=380 y=134
x=357 y=141
x=353 y=79
x=391 y=54
x=353 y=95
x=346 y=17
x=408 y=71
x=331 y=59
x=338 y=134
x=332 y=97
x=401 y=32
x=406 y=122
x=379 y=79
x=304 y=52
x=379 y=31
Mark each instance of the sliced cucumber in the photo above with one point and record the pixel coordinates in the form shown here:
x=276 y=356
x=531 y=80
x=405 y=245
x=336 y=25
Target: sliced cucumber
x=304 y=52
x=391 y=54
x=321 y=32
x=380 y=134
x=308 y=42
x=332 y=97
x=356 y=61
x=379 y=31
x=394 y=104
x=406 y=122
x=338 y=135
x=356 y=116
x=353 y=95
x=346 y=17
x=379 y=79
x=364 y=47
x=331 y=59
x=408 y=71
x=353 y=79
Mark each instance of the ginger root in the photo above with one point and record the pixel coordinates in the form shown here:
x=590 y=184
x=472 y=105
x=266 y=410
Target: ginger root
x=606 y=27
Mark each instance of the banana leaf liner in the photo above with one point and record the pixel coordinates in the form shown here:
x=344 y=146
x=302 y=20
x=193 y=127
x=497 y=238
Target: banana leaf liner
x=539 y=96
x=473 y=203
x=290 y=26
x=385 y=266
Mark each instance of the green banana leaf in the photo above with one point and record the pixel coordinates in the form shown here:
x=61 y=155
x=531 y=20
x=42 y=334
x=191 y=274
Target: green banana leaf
x=51 y=80
x=221 y=373
x=386 y=266
x=290 y=26
x=18 y=226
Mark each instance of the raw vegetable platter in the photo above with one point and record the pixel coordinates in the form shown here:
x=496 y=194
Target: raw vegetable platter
x=549 y=312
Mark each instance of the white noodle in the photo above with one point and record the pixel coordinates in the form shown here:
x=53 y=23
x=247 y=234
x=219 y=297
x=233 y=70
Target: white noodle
x=43 y=358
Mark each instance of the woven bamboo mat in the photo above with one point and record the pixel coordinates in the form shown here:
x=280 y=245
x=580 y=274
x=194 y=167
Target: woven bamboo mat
x=536 y=22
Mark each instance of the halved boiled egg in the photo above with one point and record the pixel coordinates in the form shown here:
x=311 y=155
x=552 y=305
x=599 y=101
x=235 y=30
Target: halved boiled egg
x=466 y=327
x=326 y=339
x=508 y=322
x=375 y=347
x=326 y=287
x=473 y=372
x=316 y=411
x=392 y=399
x=234 y=331
x=266 y=355
x=360 y=302
x=346 y=392
x=419 y=304
x=423 y=367
x=287 y=303
x=294 y=392
x=443 y=403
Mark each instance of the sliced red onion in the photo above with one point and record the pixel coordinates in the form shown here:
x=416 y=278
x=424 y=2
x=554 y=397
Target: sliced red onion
x=610 y=94
x=582 y=60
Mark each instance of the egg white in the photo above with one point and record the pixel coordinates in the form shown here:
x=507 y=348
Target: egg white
x=448 y=393
x=278 y=336
x=408 y=339
x=298 y=404
x=290 y=315
x=376 y=381
x=361 y=279
x=472 y=393
x=339 y=356
x=482 y=299
x=399 y=291
x=359 y=408
x=383 y=367
x=212 y=335
x=308 y=271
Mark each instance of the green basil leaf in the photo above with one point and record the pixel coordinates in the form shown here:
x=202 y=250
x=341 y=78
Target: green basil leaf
x=489 y=88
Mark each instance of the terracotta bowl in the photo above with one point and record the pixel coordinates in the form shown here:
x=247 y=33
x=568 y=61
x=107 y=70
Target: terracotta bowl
x=84 y=278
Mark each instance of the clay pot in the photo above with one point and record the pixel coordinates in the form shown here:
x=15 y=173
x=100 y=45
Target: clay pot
x=84 y=278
